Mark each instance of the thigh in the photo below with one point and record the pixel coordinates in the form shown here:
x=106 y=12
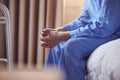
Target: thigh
x=82 y=47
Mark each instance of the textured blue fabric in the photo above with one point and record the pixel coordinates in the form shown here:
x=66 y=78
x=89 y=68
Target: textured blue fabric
x=98 y=24
x=100 y=18
x=72 y=55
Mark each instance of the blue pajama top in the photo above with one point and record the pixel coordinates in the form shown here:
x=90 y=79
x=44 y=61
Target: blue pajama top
x=98 y=19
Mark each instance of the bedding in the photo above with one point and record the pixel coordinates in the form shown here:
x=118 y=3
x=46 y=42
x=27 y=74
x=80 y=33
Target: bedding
x=104 y=63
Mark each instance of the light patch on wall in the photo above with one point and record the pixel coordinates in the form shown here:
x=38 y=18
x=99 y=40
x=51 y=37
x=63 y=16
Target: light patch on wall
x=72 y=9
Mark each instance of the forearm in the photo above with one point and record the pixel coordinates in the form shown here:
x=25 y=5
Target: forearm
x=60 y=29
x=64 y=36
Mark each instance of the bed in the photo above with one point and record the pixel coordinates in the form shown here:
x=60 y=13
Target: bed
x=104 y=63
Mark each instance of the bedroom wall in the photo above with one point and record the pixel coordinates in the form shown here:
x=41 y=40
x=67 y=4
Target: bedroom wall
x=72 y=9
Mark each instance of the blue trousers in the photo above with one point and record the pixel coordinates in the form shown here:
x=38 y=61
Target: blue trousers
x=72 y=55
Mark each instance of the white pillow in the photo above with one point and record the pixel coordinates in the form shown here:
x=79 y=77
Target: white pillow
x=104 y=63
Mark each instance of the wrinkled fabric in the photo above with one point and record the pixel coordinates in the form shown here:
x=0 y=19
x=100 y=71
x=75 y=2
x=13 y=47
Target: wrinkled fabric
x=104 y=63
x=98 y=24
x=100 y=18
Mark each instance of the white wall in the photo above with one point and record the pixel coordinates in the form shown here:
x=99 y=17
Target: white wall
x=72 y=9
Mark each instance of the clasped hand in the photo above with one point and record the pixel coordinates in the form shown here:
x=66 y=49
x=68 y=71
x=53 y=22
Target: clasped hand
x=51 y=37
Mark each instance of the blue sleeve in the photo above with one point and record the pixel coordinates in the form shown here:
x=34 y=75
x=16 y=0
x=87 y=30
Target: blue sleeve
x=104 y=23
x=82 y=20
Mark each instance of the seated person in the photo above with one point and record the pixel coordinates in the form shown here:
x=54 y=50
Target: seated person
x=71 y=45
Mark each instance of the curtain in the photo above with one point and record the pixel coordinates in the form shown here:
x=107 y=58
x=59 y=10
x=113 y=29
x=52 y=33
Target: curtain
x=28 y=18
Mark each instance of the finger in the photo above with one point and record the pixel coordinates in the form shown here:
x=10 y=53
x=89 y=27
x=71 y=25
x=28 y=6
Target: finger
x=41 y=33
x=44 y=34
x=48 y=29
x=42 y=38
x=43 y=43
x=45 y=30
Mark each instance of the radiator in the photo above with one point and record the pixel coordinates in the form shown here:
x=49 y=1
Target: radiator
x=25 y=33
x=28 y=18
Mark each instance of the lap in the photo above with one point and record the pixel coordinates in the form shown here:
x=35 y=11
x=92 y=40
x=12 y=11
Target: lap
x=82 y=46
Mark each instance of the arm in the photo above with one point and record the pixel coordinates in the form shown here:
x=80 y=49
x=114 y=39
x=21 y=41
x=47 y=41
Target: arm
x=104 y=24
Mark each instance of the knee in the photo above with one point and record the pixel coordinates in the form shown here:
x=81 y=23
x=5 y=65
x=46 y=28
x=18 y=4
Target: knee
x=78 y=48
x=75 y=44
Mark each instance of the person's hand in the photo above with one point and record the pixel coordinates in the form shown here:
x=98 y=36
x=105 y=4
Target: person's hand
x=52 y=37
x=46 y=31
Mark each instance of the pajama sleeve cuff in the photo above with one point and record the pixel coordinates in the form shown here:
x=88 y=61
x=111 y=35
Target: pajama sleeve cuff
x=67 y=27
x=74 y=32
